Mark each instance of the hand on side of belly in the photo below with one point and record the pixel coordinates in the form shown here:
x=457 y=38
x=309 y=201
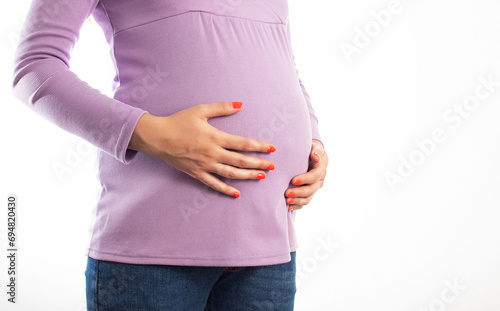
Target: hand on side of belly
x=186 y=141
x=310 y=182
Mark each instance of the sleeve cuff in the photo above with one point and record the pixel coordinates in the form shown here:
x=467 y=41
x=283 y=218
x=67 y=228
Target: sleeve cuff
x=123 y=154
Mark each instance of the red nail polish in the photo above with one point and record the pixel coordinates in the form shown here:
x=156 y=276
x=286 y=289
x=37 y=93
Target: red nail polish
x=290 y=194
x=237 y=105
x=270 y=167
x=290 y=208
x=291 y=200
x=261 y=176
x=236 y=194
x=271 y=149
x=297 y=182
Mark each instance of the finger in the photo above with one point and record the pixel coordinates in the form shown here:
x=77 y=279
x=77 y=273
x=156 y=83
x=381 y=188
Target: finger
x=314 y=175
x=237 y=173
x=236 y=142
x=294 y=207
x=245 y=161
x=315 y=153
x=216 y=184
x=302 y=191
x=212 y=110
x=299 y=201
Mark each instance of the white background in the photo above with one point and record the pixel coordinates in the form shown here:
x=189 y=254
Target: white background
x=362 y=244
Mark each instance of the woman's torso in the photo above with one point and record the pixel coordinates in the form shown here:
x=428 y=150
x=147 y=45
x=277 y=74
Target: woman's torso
x=171 y=55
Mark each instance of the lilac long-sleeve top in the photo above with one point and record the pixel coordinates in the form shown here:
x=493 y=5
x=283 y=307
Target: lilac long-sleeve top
x=170 y=55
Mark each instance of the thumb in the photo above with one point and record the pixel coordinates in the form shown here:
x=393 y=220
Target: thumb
x=315 y=151
x=220 y=109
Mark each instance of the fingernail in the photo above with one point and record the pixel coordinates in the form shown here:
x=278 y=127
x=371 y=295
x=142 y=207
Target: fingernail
x=271 y=149
x=290 y=208
x=297 y=182
x=317 y=154
x=236 y=194
x=237 y=105
x=270 y=167
x=290 y=194
x=261 y=176
x=291 y=200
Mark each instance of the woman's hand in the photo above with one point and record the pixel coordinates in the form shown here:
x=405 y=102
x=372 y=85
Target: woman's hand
x=186 y=141
x=308 y=182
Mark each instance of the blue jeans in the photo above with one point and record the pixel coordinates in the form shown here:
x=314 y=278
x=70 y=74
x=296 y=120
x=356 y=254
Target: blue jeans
x=115 y=286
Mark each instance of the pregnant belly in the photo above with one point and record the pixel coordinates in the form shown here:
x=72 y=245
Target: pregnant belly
x=251 y=63
x=188 y=63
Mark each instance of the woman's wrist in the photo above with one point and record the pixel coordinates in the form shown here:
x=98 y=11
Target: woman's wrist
x=142 y=131
x=318 y=142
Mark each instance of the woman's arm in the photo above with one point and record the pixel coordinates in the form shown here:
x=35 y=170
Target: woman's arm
x=44 y=82
x=308 y=183
x=312 y=114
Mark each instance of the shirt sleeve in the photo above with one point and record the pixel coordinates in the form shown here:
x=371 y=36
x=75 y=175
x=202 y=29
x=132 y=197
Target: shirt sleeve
x=312 y=114
x=43 y=81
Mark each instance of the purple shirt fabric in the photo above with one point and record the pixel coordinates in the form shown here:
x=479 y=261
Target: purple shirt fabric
x=170 y=55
